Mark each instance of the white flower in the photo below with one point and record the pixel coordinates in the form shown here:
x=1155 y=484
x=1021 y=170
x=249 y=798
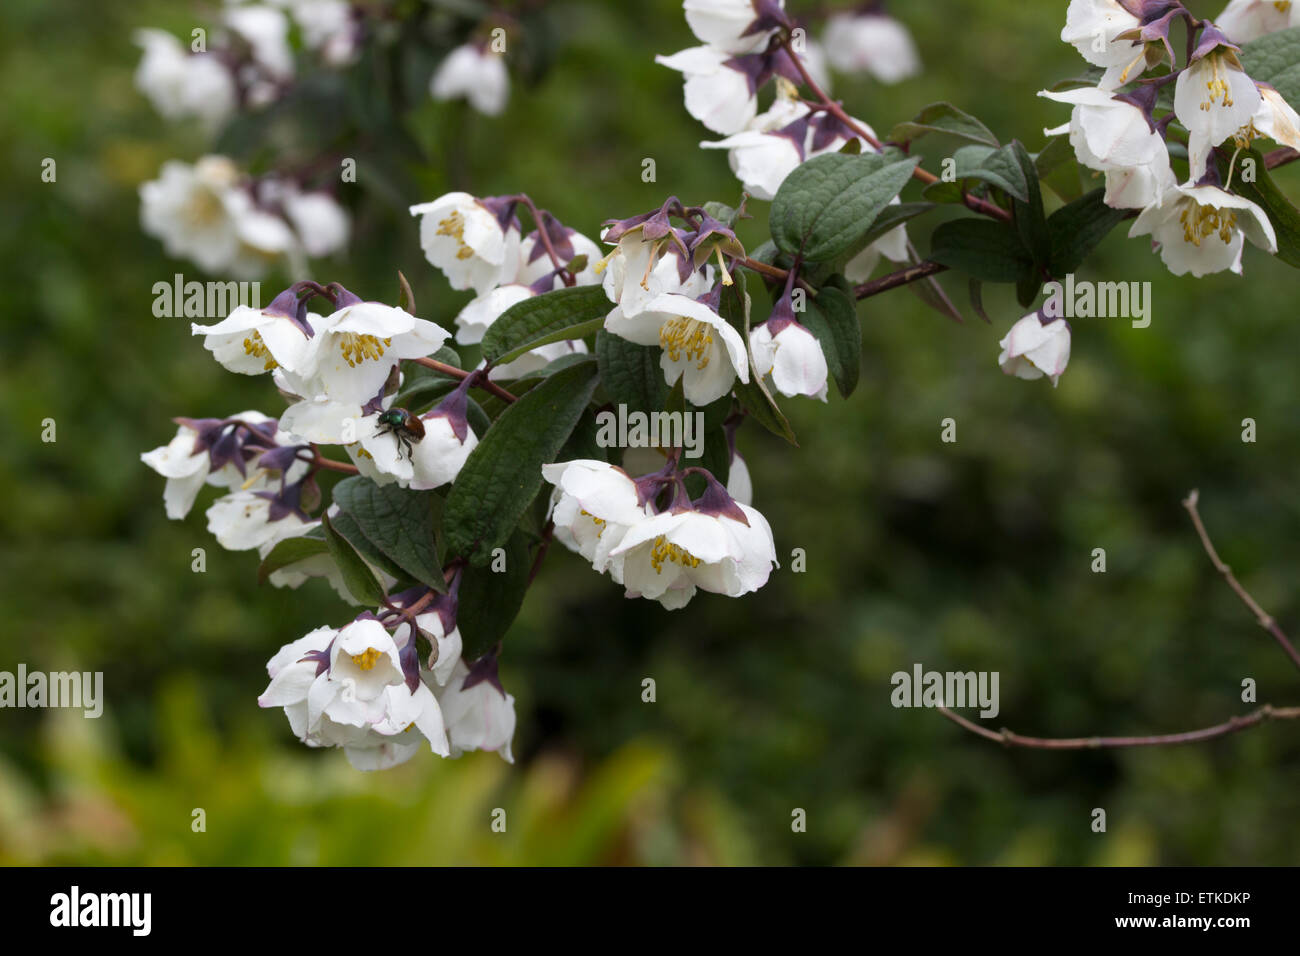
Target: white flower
x=535 y=263
x=187 y=464
x=1246 y=20
x=669 y=555
x=871 y=43
x=1091 y=27
x=792 y=356
x=479 y=314
x=345 y=688
x=1213 y=98
x=251 y=341
x=770 y=148
x=1116 y=137
x=480 y=717
x=537 y=359
x=445 y=645
x=592 y=507
x=328 y=26
x=1202 y=229
x=429 y=462
x=356 y=348
x=245 y=520
x=202 y=212
x=698 y=345
x=476 y=73
x=1275 y=120
x=467 y=242
x=639 y=270
x=322 y=225
x=739 y=484
x=320 y=565
x=181 y=84
x=266 y=31
x=1031 y=349
x=719 y=93
x=732 y=26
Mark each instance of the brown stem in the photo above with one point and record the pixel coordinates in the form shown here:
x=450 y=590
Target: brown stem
x=320 y=461
x=972 y=202
x=459 y=373
x=913 y=273
x=1263 y=617
x=546 y=239
x=547 y=534
x=1231 y=726
x=1280 y=157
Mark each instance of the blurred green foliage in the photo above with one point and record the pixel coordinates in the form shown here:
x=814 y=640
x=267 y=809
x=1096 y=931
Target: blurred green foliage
x=974 y=555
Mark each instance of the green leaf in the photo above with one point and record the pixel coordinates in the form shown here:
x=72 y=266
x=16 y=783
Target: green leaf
x=291 y=551
x=943 y=118
x=542 y=319
x=357 y=576
x=631 y=373
x=398 y=523
x=504 y=471
x=833 y=318
x=891 y=217
x=489 y=601
x=753 y=396
x=1059 y=169
x=830 y=202
x=1004 y=169
x=983 y=248
x=1281 y=213
x=1275 y=59
x=1029 y=218
x=1077 y=228
x=347 y=526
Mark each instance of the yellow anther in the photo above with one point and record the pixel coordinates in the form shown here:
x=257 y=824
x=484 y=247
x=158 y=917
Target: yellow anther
x=664 y=550
x=1217 y=86
x=454 y=226
x=254 y=346
x=367 y=659
x=598 y=522
x=1205 y=221
x=684 y=335
x=357 y=348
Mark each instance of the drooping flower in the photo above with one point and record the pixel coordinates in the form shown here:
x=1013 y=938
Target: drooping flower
x=474 y=242
x=791 y=355
x=251 y=341
x=1275 y=120
x=1093 y=26
x=1213 y=98
x=1115 y=135
x=593 y=505
x=1203 y=229
x=322 y=225
x=1246 y=20
x=266 y=32
x=1036 y=346
x=479 y=714
x=699 y=346
x=475 y=73
x=871 y=43
x=181 y=84
x=429 y=460
x=714 y=544
x=735 y=26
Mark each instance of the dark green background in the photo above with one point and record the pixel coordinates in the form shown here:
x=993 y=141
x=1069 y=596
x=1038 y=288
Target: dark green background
x=974 y=555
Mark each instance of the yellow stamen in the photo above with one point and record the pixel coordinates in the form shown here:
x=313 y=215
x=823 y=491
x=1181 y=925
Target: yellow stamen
x=1206 y=221
x=254 y=346
x=367 y=659
x=665 y=550
x=454 y=226
x=650 y=264
x=357 y=348
x=1217 y=86
x=252 y=479
x=598 y=522
x=695 y=338
x=726 y=276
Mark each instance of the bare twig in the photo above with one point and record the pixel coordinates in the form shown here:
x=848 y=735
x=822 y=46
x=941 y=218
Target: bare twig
x=1232 y=725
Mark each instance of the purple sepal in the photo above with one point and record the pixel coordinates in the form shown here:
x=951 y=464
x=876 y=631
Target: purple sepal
x=1211 y=177
x=502 y=209
x=1144 y=98
x=796 y=133
x=293 y=307
x=827 y=129
x=649 y=486
x=783 y=309
x=484 y=669
x=376 y=404
x=284 y=502
x=558 y=233
x=322 y=658
x=410 y=661
x=715 y=500
x=546 y=283
x=454 y=407
x=769 y=15
x=226 y=449
x=343 y=298
x=1211 y=39
x=279 y=459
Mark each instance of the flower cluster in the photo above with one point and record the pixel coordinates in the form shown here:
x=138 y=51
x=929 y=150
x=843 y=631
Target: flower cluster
x=228 y=223
x=1118 y=128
